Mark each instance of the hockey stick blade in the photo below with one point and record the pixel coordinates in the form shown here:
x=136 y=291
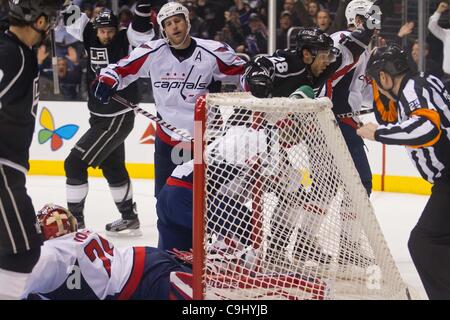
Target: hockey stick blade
x=182 y=133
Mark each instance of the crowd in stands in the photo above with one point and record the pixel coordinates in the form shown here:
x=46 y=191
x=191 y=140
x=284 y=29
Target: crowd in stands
x=243 y=25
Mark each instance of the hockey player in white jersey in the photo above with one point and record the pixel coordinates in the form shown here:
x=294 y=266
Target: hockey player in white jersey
x=181 y=69
x=350 y=90
x=83 y=265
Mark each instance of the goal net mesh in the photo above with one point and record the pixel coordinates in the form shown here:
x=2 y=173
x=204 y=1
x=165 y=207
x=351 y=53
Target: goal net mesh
x=280 y=210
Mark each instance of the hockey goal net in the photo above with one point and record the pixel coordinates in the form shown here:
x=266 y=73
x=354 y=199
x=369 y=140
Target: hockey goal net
x=279 y=209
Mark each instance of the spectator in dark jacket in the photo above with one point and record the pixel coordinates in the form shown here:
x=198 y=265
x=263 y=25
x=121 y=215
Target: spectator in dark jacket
x=282 y=31
x=256 y=40
x=199 y=27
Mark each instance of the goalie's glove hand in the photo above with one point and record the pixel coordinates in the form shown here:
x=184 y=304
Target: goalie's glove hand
x=104 y=86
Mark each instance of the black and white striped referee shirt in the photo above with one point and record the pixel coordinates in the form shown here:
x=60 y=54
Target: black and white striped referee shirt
x=423 y=110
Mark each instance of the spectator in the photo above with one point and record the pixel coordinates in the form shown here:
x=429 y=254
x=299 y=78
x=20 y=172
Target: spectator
x=125 y=16
x=234 y=30
x=442 y=34
x=323 y=20
x=69 y=74
x=340 y=21
x=282 y=32
x=256 y=40
x=88 y=9
x=313 y=10
x=99 y=7
x=199 y=27
x=405 y=31
x=431 y=66
x=330 y=5
x=212 y=12
x=289 y=5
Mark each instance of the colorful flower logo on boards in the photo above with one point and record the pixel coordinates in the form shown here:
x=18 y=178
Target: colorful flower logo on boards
x=49 y=133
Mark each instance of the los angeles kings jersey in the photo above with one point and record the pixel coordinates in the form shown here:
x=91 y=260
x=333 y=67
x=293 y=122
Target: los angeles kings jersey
x=99 y=56
x=19 y=96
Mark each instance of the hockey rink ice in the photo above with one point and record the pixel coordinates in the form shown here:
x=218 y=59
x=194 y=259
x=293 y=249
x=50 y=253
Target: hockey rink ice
x=397 y=214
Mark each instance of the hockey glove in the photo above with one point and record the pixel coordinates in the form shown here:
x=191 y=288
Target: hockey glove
x=142 y=20
x=104 y=86
x=260 y=85
x=259 y=76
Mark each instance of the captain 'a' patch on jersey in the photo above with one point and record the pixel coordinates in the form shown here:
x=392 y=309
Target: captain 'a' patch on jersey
x=99 y=58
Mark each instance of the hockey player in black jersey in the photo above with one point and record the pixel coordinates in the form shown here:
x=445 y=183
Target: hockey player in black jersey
x=20 y=241
x=312 y=62
x=315 y=59
x=103 y=144
x=421 y=122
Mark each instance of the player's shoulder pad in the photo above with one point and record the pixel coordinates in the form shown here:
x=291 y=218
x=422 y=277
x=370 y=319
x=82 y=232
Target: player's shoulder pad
x=8 y=49
x=153 y=44
x=339 y=35
x=213 y=45
x=218 y=49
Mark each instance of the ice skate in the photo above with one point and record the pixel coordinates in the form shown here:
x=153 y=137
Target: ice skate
x=124 y=227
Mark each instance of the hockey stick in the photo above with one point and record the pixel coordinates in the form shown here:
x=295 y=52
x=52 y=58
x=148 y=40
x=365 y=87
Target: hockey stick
x=54 y=63
x=128 y=104
x=354 y=114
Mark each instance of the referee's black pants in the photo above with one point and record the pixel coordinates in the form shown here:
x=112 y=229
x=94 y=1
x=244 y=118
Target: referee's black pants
x=429 y=242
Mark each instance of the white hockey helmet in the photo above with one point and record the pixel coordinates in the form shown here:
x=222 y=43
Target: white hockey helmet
x=171 y=9
x=357 y=7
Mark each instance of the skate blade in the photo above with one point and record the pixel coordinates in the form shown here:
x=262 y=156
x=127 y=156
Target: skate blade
x=128 y=233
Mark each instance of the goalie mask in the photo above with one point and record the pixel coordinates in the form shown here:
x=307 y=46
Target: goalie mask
x=55 y=221
x=169 y=10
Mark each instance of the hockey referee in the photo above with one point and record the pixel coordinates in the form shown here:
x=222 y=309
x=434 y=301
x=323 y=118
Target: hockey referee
x=422 y=124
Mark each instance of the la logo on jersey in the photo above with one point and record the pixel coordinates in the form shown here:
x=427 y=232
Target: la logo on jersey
x=99 y=58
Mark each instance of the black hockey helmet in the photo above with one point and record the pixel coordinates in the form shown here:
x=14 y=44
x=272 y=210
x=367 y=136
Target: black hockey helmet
x=28 y=11
x=106 y=19
x=314 y=39
x=391 y=59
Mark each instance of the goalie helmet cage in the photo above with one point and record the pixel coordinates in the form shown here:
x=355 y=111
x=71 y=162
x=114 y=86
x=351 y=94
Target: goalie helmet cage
x=279 y=209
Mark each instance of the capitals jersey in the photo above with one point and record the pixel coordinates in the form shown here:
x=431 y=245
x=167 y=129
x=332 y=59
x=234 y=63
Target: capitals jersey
x=179 y=79
x=182 y=175
x=84 y=265
x=348 y=88
x=19 y=96
x=99 y=56
x=423 y=124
